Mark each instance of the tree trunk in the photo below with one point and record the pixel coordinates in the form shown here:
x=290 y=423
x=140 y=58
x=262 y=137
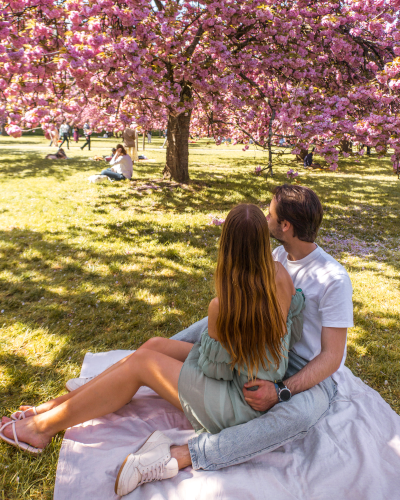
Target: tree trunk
x=144 y=134
x=3 y=129
x=270 y=142
x=178 y=147
x=345 y=146
x=302 y=155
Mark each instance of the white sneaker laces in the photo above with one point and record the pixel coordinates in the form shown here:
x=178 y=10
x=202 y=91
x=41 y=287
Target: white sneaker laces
x=152 y=473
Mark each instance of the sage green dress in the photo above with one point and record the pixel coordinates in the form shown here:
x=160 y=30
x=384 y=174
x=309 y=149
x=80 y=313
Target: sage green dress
x=210 y=391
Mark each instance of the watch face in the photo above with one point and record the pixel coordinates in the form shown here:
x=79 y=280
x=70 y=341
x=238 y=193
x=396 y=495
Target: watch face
x=285 y=395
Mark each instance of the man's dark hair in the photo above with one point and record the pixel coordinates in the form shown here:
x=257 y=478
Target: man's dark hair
x=301 y=207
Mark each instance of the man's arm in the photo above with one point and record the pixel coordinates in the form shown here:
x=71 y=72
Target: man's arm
x=193 y=333
x=333 y=341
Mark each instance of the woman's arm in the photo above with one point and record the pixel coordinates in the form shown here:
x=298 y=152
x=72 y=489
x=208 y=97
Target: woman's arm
x=115 y=159
x=213 y=311
x=112 y=161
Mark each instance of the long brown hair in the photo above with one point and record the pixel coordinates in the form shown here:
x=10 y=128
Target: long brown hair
x=250 y=320
x=121 y=147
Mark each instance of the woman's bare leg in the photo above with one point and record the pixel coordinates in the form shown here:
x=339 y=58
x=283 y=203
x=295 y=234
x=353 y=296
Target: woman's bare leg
x=105 y=395
x=175 y=349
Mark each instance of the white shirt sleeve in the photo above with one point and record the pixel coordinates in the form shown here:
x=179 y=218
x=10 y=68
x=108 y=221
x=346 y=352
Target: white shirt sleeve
x=336 y=305
x=113 y=159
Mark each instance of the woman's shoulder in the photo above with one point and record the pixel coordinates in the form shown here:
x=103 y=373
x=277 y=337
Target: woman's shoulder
x=214 y=305
x=213 y=311
x=283 y=279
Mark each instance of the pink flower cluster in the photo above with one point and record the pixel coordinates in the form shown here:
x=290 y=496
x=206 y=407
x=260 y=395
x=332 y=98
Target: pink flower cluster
x=291 y=174
x=14 y=131
x=216 y=221
x=251 y=70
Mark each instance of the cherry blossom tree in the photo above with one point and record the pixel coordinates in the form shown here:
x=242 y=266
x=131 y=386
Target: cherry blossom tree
x=314 y=72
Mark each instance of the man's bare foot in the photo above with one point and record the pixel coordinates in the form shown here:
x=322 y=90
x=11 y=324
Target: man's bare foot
x=26 y=432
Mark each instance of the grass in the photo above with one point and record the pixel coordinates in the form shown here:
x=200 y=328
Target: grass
x=89 y=267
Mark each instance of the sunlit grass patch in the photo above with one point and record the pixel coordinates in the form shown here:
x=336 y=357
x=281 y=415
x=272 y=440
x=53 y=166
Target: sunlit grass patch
x=88 y=267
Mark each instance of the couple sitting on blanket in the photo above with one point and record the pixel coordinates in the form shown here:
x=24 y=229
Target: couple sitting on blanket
x=264 y=364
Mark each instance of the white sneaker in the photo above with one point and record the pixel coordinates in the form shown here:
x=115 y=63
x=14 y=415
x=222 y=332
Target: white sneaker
x=75 y=383
x=152 y=462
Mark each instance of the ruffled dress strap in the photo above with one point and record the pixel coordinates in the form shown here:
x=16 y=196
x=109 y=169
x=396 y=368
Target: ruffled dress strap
x=214 y=359
x=294 y=321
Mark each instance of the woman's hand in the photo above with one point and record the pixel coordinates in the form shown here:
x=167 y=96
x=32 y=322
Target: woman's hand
x=264 y=398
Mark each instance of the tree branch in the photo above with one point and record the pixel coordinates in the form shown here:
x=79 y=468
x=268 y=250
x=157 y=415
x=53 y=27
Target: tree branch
x=160 y=6
x=189 y=51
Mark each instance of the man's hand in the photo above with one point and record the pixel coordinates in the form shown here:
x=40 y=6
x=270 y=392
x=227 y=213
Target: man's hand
x=264 y=398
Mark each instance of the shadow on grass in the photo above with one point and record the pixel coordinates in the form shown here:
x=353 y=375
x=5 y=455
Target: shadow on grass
x=102 y=319
x=99 y=306
x=38 y=166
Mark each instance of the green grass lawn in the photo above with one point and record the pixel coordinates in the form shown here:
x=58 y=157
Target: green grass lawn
x=93 y=267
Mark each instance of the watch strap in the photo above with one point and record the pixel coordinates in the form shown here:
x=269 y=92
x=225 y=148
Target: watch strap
x=279 y=387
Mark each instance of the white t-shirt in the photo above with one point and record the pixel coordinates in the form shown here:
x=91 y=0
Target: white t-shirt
x=122 y=165
x=64 y=129
x=328 y=291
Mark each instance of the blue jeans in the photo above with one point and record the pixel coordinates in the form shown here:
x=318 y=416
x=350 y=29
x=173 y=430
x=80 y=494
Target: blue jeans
x=113 y=175
x=283 y=423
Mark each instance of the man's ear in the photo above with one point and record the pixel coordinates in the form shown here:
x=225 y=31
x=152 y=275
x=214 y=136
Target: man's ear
x=286 y=226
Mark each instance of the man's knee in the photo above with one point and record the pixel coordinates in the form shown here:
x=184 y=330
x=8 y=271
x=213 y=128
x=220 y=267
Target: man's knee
x=311 y=405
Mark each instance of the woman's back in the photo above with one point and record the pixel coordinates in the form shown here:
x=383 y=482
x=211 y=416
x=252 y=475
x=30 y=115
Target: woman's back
x=207 y=371
x=249 y=326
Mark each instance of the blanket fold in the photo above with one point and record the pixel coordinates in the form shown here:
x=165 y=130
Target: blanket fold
x=353 y=453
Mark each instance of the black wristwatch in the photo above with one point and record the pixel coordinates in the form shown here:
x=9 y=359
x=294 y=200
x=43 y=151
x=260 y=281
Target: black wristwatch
x=283 y=392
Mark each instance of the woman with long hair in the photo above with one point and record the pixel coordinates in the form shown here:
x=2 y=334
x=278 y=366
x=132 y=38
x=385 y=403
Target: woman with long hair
x=249 y=329
x=121 y=166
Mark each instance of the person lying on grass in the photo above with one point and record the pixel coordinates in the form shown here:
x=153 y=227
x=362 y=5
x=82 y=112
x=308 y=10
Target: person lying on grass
x=60 y=155
x=250 y=324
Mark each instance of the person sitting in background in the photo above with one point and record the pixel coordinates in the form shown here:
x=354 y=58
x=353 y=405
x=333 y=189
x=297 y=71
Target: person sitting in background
x=308 y=160
x=109 y=157
x=60 y=155
x=121 y=165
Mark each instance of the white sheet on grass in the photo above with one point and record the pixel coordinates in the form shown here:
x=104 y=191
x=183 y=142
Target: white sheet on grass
x=353 y=453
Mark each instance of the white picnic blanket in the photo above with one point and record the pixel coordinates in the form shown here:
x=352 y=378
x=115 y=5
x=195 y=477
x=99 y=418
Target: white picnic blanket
x=353 y=453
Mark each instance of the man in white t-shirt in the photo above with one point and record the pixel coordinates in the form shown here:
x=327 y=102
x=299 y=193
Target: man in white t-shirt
x=298 y=402
x=64 y=133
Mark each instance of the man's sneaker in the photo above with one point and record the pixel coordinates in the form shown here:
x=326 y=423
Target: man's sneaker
x=152 y=462
x=75 y=383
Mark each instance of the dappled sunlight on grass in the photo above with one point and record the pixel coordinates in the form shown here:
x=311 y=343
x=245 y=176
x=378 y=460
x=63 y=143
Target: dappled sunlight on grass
x=99 y=267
